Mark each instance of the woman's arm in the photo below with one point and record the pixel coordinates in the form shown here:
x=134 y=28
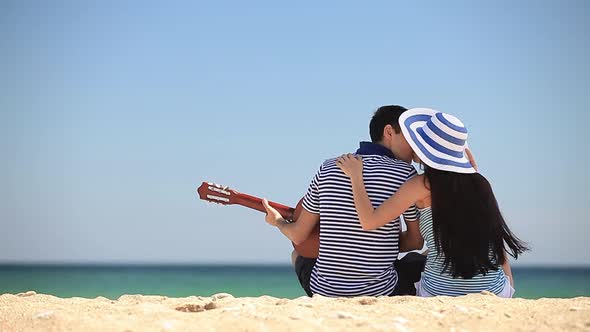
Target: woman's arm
x=370 y=218
x=507 y=269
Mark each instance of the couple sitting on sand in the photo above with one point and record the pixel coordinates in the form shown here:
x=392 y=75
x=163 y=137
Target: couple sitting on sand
x=358 y=200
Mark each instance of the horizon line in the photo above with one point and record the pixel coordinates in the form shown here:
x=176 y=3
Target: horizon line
x=219 y=264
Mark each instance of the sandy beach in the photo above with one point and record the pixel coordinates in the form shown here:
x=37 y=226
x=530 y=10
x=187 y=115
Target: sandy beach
x=223 y=312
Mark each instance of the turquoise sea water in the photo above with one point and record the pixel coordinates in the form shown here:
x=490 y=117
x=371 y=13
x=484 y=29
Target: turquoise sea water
x=112 y=281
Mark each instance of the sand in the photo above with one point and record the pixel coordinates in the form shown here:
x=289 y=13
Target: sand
x=223 y=312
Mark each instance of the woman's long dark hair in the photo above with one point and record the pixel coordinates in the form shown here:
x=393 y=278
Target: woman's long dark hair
x=467 y=224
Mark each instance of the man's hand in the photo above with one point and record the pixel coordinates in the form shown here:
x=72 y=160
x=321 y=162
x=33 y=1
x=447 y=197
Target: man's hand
x=351 y=165
x=273 y=217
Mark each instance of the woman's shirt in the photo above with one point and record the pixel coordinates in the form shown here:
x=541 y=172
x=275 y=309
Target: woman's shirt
x=436 y=282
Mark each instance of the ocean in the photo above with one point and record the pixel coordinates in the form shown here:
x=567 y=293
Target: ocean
x=112 y=281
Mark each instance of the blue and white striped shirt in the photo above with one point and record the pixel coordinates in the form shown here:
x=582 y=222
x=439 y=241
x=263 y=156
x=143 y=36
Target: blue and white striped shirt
x=436 y=282
x=354 y=262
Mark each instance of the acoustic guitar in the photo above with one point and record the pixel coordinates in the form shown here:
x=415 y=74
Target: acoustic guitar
x=224 y=195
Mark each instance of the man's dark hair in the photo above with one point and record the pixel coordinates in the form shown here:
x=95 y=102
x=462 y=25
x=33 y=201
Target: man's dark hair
x=385 y=115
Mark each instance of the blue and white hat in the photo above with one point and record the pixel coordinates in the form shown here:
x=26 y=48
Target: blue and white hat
x=439 y=139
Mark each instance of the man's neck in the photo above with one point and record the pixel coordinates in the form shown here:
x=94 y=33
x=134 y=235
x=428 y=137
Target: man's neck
x=370 y=148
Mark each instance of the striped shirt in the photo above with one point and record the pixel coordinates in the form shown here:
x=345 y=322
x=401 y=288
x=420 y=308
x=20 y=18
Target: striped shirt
x=436 y=282
x=351 y=261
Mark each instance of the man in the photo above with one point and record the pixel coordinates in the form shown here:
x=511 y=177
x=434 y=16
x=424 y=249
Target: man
x=353 y=261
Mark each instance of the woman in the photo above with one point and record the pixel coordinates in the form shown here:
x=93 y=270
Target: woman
x=466 y=235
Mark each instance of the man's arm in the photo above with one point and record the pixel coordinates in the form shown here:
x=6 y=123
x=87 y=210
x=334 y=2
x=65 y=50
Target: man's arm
x=308 y=218
x=297 y=231
x=411 y=239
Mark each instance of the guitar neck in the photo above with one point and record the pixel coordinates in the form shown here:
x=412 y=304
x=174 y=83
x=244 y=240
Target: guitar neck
x=255 y=203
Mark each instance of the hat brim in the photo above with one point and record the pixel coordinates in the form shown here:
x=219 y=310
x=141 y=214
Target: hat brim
x=415 y=118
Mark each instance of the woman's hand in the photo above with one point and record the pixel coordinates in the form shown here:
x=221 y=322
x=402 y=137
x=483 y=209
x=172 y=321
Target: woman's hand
x=273 y=216
x=471 y=159
x=351 y=165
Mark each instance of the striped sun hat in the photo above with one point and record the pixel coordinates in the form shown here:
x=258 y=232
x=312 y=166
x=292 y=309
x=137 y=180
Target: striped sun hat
x=439 y=139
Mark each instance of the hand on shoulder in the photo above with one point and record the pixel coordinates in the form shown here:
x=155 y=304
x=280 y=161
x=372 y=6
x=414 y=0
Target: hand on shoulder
x=351 y=165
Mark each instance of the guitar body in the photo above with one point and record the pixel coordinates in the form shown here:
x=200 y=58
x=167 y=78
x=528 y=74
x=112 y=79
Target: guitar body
x=309 y=248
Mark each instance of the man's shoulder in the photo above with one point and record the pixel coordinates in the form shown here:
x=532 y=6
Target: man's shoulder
x=370 y=162
x=329 y=164
x=387 y=163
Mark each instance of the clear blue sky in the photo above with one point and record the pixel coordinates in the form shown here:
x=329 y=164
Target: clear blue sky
x=111 y=114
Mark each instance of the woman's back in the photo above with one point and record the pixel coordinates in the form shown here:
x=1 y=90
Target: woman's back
x=436 y=281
